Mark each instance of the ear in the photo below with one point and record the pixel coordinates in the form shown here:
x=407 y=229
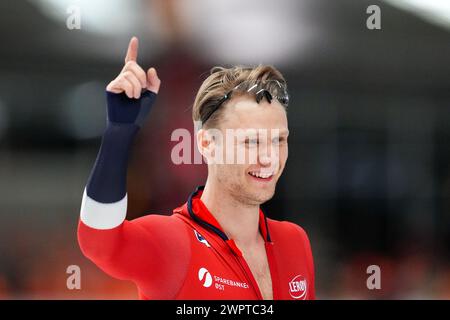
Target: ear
x=205 y=144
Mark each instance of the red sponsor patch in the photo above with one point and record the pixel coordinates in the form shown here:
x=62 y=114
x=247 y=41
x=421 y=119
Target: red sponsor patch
x=298 y=287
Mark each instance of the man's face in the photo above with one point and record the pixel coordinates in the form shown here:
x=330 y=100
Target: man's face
x=254 y=149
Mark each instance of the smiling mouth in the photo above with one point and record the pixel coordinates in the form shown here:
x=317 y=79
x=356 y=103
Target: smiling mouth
x=261 y=176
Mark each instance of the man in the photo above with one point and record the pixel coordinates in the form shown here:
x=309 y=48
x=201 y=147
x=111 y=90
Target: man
x=219 y=244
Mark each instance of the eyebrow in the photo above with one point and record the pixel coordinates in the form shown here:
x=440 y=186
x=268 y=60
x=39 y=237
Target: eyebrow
x=284 y=132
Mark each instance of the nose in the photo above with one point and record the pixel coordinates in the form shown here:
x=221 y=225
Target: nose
x=265 y=161
x=267 y=155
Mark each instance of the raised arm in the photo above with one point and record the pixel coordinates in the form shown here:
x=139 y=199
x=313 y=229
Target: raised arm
x=142 y=250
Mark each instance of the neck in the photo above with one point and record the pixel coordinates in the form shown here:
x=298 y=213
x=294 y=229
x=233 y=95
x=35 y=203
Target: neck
x=239 y=221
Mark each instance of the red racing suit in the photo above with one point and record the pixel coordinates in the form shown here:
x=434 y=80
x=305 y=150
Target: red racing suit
x=188 y=256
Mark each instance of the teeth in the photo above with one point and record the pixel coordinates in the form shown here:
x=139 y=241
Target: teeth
x=261 y=175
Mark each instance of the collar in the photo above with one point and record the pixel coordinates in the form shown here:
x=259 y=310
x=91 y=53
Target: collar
x=195 y=209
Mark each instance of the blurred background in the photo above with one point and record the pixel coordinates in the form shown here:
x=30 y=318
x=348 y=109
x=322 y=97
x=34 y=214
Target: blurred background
x=368 y=175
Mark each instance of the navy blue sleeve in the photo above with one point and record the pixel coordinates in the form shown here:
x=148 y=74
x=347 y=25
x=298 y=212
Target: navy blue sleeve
x=125 y=116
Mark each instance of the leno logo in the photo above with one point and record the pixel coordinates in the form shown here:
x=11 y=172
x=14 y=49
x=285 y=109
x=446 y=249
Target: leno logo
x=298 y=287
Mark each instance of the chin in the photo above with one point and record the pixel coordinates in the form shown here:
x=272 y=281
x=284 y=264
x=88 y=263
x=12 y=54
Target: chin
x=259 y=197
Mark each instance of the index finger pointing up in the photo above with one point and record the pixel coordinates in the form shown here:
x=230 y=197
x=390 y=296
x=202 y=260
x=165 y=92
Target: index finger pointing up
x=132 y=51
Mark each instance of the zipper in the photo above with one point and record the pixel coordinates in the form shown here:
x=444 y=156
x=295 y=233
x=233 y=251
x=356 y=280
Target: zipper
x=273 y=269
x=237 y=252
x=244 y=265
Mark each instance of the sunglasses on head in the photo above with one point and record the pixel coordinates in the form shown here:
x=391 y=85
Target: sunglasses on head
x=271 y=89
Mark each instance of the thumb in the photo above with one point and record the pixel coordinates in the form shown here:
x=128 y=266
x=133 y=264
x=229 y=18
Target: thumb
x=153 y=82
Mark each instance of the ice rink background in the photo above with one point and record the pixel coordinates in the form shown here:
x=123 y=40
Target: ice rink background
x=368 y=174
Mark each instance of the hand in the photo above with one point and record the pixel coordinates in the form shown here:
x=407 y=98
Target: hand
x=132 y=79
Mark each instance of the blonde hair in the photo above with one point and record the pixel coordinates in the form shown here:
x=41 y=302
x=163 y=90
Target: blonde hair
x=221 y=81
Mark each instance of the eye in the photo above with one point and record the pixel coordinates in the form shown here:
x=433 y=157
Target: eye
x=251 y=142
x=278 y=140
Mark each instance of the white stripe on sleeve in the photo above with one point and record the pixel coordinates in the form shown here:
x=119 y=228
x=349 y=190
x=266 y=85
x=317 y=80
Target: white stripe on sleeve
x=102 y=216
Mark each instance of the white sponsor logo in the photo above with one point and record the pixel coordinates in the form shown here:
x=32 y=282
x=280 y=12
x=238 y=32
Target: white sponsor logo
x=219 y=283
x=231 y=283
x=205 y=277
x=298 y=287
